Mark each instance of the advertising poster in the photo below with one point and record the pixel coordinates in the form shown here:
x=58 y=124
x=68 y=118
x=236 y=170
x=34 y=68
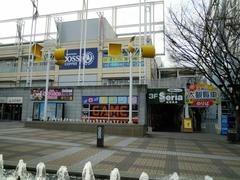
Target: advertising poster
x=90 y=99
x=72 y=59
x=112 y=100
x=202 y=95
x=120 y=61
x=54 y=94
x=108 y=100
x=123 y=100
x=103 y=100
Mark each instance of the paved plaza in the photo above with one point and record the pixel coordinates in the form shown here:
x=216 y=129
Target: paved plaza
x=191 y=155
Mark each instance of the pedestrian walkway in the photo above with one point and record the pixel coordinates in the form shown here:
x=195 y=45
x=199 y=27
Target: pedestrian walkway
x=159 y=154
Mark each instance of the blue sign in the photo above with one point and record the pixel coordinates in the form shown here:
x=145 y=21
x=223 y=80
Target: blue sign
x=90 y=99
x=224 y=124
x=72 y=58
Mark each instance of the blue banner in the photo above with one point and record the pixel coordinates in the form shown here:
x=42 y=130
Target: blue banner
x=72 y=58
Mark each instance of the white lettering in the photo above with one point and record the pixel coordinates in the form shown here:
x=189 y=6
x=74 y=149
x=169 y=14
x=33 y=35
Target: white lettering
x=162 y=97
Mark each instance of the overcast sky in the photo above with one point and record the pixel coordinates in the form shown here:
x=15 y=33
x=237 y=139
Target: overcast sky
x=21 y=8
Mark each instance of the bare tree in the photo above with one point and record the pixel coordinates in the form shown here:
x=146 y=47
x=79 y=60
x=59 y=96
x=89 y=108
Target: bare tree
x=208 y=38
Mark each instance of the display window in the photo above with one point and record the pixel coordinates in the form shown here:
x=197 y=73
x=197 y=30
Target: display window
x=110 y=109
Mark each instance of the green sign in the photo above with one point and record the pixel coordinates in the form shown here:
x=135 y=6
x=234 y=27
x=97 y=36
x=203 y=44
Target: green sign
x=165 y=96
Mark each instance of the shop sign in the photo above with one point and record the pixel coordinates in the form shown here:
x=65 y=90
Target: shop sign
x=72 y=59
x=120 y=61
x=203 y=103
x=202 y=95
x=14 y=100
x=165 y=96
x=115 y=110
x=11 y=100
x=54 y=94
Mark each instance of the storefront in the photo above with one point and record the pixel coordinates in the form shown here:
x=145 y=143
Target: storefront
x=203 y=101
x=165 y=109
x=56 y=102
x=11 y=108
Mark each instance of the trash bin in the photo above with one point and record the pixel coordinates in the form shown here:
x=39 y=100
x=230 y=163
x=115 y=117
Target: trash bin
x=100 y=136
x=232 y=131
x=232 y=135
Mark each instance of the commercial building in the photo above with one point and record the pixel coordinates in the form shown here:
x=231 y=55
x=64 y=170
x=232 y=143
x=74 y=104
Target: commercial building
x=96 y=91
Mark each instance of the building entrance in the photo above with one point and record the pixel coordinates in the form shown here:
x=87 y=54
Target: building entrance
x=197 y=114
x=166 y=117
x=165 y=109
x=11 y=112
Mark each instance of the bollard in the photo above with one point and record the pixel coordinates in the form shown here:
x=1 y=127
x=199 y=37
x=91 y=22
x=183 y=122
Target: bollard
x=100 y=136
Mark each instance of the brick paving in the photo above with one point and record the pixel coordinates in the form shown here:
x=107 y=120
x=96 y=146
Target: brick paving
x=190 y=155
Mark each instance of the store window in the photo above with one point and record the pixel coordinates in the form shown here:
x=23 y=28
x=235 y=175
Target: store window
x=108 y=109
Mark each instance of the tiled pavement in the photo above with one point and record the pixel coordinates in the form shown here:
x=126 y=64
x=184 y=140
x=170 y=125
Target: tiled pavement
x=160 y=154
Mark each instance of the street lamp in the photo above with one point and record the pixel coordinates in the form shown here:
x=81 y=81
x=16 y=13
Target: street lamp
x=59 y=54
x=147 y=51
x=131 y=50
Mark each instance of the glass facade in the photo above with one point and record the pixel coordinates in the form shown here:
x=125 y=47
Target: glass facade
x=8 y=66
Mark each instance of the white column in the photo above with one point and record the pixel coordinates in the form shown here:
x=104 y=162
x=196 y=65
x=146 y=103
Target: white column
x=130 y=88
x=186 y=110
x=46 y=87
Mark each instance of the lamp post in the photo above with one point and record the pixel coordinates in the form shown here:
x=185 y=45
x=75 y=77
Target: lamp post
x=130 y=88
x=48 y=59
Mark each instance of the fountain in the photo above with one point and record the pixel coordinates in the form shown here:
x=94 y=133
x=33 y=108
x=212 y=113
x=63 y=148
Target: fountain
x=144 y=176
x=1 y=165
x=21 y=169
x=174 y=176
x=21 y=173
x=62 y=173
x=115 y=175
x=87 y=173
x=41 y=171
x=208 y=178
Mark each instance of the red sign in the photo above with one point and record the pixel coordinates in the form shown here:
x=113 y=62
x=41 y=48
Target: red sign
x=115 y=111
x=203 y=103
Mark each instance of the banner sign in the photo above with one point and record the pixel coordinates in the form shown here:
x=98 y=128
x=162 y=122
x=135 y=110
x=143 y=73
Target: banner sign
x=187 y=125
x=202 y=95
x=72 y=58
x=165 y=96
x=54 y=94
x=120 y=61
x=108 y=100
x=11 y=100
